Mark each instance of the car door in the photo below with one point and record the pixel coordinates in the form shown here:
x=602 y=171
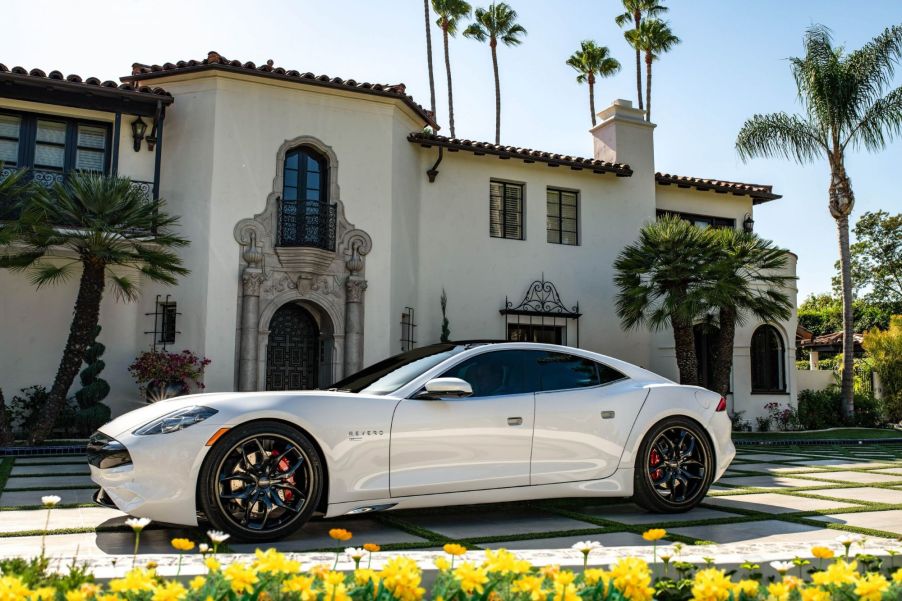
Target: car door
x=474 y=443
x=584 y=414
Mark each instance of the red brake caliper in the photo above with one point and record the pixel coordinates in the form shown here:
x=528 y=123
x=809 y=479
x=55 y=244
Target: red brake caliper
x=287 y=495
x=653 y=460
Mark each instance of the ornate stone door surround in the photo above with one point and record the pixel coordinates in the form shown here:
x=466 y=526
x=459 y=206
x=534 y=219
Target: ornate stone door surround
x=331 y=284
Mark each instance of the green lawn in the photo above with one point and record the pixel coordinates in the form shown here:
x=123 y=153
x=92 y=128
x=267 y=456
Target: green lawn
x=832 y=434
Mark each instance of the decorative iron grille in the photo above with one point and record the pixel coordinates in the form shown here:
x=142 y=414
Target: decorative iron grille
x=165 y=314
x=541 y=316
x=307 y=223
x=408 y=329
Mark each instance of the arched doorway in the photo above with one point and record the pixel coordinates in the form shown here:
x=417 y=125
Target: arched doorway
x=292 y=353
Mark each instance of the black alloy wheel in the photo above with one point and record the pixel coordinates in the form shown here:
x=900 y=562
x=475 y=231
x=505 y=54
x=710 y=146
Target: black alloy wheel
x=261 y=481
x=674 y=467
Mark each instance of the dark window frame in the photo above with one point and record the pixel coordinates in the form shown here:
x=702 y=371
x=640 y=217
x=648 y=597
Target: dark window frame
x=598 y=374
x=756 y=367
x=28 y=140
x=560 y=216
x=711 y=220
x=504 y=212
x=324 y=213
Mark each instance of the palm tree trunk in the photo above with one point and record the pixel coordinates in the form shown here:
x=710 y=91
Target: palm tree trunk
x=637 y=17
x=6 y=434
x=429 y=58
x=592 y=98
x=494 y=45
x=84 y=320
x=450 y=91
x=684 y=345
x=842 y=200
x=648 y=86
x=723 y=354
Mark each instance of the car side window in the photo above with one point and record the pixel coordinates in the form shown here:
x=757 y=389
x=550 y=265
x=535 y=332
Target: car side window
x=608 y=374
x=497 y=373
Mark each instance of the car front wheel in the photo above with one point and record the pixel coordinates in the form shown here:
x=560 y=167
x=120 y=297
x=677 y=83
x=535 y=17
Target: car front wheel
x=261 y=481
x=674 y=467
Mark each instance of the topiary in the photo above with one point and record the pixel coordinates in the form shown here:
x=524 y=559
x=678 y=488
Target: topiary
x=93 y=388
x=90 y=418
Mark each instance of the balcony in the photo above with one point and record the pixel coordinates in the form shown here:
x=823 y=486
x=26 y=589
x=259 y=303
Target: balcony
x=306 y=234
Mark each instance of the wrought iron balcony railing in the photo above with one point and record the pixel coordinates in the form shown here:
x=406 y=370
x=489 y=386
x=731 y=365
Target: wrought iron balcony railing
x=307 y=223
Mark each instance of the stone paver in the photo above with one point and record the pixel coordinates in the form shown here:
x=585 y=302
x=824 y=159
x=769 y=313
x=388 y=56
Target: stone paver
x=33 y=497
x=857 y=477
x=80 y=517
x=68 y=459
x=775 y=503
x=315 y=535
x=494 y=523
x=845 y=463
x=889 y=521
x=49 y=482
x=765 y=457
x=767 y=531
x=873 y=495
x=65 y=468
x=773 y=468
x=633 y=515
x=767 y=482
x=614 y=539
x=897 y=471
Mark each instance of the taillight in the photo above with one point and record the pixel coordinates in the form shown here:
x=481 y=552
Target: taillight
x=721 y=405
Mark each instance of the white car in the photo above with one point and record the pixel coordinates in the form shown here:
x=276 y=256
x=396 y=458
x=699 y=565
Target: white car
x=447 y=424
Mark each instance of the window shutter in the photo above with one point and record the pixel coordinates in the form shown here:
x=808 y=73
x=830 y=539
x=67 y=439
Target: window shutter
x=496 y=209
x=9 y=140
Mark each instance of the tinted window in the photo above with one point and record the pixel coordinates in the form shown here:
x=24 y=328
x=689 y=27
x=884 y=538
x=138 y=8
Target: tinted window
x=559 y=372
x=391 y=374
x=499 y=373
x=609 y=374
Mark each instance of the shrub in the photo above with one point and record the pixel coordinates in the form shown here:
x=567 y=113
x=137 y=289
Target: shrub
x=885 y=348
x=160 y=367
x=819 y=409
x=25 y=411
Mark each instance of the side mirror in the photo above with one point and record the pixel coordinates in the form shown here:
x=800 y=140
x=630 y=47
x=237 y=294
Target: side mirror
x=446 y=388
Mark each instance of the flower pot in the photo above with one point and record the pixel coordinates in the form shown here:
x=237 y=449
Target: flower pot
x=158 y=390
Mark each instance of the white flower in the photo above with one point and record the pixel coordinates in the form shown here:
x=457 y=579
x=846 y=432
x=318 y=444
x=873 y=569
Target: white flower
x=586 y=546
x=846 y=540
x=50 y=500
x=355 y=553
x=203 y=548
x=217 y=536
x=781 y=566
x=137 y=524
x=665 y=555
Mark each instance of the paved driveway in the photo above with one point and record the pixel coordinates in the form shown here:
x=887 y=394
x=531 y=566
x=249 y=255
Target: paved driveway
x=772 y=503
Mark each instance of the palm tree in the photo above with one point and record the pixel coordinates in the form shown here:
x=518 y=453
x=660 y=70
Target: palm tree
x=429 y=57
x=107 y=230
x=449 y=13
x=591 y=60
x=653 y=37
x=847 y=106
x=498 y=22
x=745 y=280
x=635 y=11
x=661 y=280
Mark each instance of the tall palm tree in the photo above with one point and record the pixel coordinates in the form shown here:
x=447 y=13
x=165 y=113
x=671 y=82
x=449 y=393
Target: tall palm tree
x=497 y=22
x=107 y=230
x=653 y=37
x=661 y=281
x=449 y=13
x=746 y=280
x=848 y=105
x=591 y=60
x=429 y=57
x=635 y=10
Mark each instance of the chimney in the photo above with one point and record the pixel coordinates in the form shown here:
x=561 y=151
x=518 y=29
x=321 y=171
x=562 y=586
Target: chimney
x=624 y=136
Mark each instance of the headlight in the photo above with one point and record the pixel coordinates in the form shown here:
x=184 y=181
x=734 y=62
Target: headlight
x=177 y=420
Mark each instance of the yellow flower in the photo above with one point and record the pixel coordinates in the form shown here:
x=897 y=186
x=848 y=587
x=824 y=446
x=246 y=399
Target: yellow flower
x=815 y=594
x=273 y=562
x=240 y=577
x=197 y=583
x=549 y=571
x=565 y=578
x=401 y=577
x=822 y=552
x=778 y=591
x=212 y=564
x=182 y=544
x=134 y=581
x=45 y=593
x=792 y=582
x=504 y=562
x=371 y=547
x=340 y=534
x=454 y=549
x=319 y=570
x=333 y=579
x=837 y=574
x=749 y=587
x=302 y=585
x=594 y=575
x=711 y=585
x=632 y=578
x=76 y=596
x=531 y=586
x=654 y=534
x=897 y=575
x=471 y=577
x=171 y=591
x=365 y=575
x=442 y=563
x=109 y=597
x=90 y=589
x=871 y=587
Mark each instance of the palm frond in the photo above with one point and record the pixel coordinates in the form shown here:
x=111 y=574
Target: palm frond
x=47 y=274
x=124 y=287
x=780 y=135
x=881 y=123
x=874 y=64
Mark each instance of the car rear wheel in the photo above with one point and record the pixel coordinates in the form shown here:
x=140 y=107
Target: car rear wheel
x=261 y=481
x=674 y=467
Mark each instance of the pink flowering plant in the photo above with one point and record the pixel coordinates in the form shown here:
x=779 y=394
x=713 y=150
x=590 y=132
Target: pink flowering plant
x=160 y=367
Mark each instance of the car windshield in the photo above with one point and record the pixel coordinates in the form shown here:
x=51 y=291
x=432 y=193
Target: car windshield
x=391 y=374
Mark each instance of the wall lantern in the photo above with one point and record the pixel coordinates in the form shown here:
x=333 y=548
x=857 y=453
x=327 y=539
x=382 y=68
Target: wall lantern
x=139 y=128
x=748 y=224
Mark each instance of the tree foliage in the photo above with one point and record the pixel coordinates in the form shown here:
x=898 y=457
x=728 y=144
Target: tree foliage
x=822 y=314
x=877 y=258
x=589 y=62
x=885 y=349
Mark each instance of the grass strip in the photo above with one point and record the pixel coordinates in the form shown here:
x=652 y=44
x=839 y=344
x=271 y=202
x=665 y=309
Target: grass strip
x=55 y=475
x=50 y=489
x=6 y=466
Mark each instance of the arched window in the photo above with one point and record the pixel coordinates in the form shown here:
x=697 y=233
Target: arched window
x=305 y=216
x=768 y=360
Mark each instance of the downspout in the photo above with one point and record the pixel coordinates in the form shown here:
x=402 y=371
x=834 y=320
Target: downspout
x=117 y=132
x=158 y=125
x=434 y=171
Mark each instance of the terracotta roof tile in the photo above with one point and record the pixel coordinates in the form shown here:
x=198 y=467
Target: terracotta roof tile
x=528 y=155
x=215 y=60
x=759 y=193
x=126 y=89
x=832 y=339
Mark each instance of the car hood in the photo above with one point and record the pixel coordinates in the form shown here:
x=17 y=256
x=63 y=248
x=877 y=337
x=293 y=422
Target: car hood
x=228 y=405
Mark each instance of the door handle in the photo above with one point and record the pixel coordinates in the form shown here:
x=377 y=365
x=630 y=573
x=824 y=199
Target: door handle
x=607 y=414
x=514 y=421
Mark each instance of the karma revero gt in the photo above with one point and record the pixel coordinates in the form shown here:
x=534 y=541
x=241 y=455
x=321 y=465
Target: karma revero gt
x=447 y=424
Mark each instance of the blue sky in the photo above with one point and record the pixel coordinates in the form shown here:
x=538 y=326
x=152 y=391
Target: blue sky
x=730 y=65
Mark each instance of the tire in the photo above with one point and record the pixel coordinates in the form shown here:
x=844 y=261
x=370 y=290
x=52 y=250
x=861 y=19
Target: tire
x=246 y=491
x=674 y=467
